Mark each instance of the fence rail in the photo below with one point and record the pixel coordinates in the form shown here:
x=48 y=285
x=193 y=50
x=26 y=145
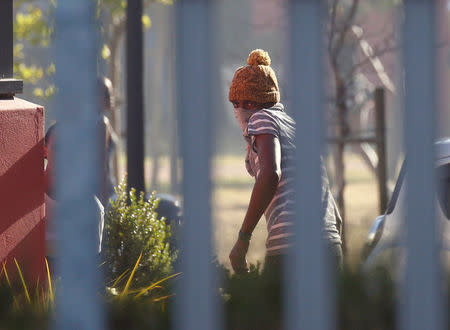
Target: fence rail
x=422 y=292
x=194 y=80
x=308 y=257
x=78 y=305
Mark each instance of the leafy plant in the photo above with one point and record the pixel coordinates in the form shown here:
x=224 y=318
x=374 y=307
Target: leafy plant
x=252 y=301
x=133 y=232
x=365 y=300
x=34 y=29
x=149 y=291
x=142 y=308
x=21 y=307
x=147 y=307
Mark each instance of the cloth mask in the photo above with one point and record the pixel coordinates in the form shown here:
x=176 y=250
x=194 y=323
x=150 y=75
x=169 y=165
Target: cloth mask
x=243 y=116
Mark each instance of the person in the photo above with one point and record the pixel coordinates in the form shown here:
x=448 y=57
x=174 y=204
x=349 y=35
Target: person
x=51 y=238
x=108 y=145
x=107 y=182
x=269 y=132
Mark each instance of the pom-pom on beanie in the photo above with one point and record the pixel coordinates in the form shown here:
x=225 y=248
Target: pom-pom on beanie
x=255 y=82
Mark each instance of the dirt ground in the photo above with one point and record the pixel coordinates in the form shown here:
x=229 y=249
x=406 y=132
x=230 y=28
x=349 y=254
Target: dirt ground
x=231 y=193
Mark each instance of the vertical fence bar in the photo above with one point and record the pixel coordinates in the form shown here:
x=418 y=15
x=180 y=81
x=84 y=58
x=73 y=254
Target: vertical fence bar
x=380 y=110
x=308 y=302
x=135 y=96
x=78 y=303
x=195 y=307
x=422 y=308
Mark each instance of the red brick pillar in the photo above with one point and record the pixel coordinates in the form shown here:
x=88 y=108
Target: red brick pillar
x=22 y=230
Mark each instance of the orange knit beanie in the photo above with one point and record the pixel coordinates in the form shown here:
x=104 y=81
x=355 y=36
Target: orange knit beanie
x=255 y=82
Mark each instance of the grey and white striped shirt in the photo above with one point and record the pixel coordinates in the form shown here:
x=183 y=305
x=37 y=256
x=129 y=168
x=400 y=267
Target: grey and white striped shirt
x=279 y=214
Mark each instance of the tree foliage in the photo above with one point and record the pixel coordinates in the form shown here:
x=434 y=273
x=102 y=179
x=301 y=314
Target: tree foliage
x=112 y=15
x=33 y=28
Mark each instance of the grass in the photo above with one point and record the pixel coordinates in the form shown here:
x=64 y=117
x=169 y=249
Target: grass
x=231 y=193
x=126 y=292
x=127 y=308
x=362 y=208
x=42 y=297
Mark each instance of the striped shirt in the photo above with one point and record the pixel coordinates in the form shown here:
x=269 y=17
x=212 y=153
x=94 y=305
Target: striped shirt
x=280 y=212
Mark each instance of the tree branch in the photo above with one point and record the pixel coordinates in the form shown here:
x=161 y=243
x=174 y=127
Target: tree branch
x=332 y=26
x=348 y=22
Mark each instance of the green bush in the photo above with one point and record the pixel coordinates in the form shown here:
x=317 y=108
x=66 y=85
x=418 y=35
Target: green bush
x=367 y=300
x=252 y=301
x=145 y=308
x=132 y=227
x=364 y=300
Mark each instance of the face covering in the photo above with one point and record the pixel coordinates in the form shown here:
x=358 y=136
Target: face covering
x=243 y=116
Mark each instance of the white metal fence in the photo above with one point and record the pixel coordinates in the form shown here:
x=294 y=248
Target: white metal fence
x=79 y=306
x=309 y=300
x=307 y=263
x=422 y=299
x=194 y=81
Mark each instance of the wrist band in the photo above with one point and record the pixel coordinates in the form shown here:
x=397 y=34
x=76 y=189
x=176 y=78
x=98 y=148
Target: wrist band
x=244 y=236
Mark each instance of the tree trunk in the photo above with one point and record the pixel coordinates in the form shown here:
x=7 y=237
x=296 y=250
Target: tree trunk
x=157 y=133
x=173 y=148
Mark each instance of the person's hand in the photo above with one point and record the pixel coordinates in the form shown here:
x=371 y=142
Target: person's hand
x=237 y=256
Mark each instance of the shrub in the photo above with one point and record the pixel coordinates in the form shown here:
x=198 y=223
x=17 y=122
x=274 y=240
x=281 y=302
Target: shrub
x=365 y=301
x=143 y=308
x=132 y=227
x=252 y=301
x=255 y=300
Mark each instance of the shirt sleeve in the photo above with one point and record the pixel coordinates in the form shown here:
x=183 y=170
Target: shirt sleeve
x=263 y=123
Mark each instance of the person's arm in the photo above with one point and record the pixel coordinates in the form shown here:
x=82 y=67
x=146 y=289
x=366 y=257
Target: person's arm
x=269 y=154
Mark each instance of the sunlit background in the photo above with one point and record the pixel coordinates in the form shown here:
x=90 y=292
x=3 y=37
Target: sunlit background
x=362 y=53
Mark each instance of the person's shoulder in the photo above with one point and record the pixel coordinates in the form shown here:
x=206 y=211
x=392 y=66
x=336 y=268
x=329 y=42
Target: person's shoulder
x=262 y=114
x=274 y=111
x=279 y=111
x=263 y=122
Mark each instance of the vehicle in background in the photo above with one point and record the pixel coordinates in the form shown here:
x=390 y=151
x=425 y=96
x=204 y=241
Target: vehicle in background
x=169 y=207
x=385 y=244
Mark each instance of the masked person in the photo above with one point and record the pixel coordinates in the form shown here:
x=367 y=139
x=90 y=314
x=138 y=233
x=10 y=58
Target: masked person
x=270 y=132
